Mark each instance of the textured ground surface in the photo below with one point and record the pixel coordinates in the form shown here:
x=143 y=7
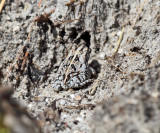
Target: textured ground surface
x=124 y=38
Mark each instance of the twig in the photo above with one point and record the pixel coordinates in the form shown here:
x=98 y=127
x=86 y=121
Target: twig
x=44 y=17
x=24 y=60
x=39 y=3
x=70 y=2
x=2 y=5
x=39 y=19
x=80 y=107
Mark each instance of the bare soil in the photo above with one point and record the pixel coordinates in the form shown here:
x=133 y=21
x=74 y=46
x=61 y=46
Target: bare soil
x=124 y=36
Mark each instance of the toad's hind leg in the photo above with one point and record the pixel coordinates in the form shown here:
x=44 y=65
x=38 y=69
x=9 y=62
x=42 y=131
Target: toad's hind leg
x=75 y=83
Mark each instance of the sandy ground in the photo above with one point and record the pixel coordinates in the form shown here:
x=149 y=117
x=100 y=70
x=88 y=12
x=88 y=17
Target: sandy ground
x=124 y=38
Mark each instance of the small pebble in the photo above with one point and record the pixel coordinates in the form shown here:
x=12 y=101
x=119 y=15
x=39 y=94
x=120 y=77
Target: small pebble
x=102 y=55
x=78 y=98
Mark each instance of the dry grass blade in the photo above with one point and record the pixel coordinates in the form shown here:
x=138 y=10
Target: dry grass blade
x=2 y=5
x=92 y=91
x=72 y=61
x=139 y=12
x=155 y=60
x=119 y=42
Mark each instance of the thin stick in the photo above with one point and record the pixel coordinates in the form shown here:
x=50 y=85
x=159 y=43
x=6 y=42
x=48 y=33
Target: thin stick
x=39 y=3
x=2 y=5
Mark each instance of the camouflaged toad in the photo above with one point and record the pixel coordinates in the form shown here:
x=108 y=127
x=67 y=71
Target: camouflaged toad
x=74 y=72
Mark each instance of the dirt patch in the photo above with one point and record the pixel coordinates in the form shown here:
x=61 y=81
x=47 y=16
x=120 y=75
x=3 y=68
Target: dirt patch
x=123 y=38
